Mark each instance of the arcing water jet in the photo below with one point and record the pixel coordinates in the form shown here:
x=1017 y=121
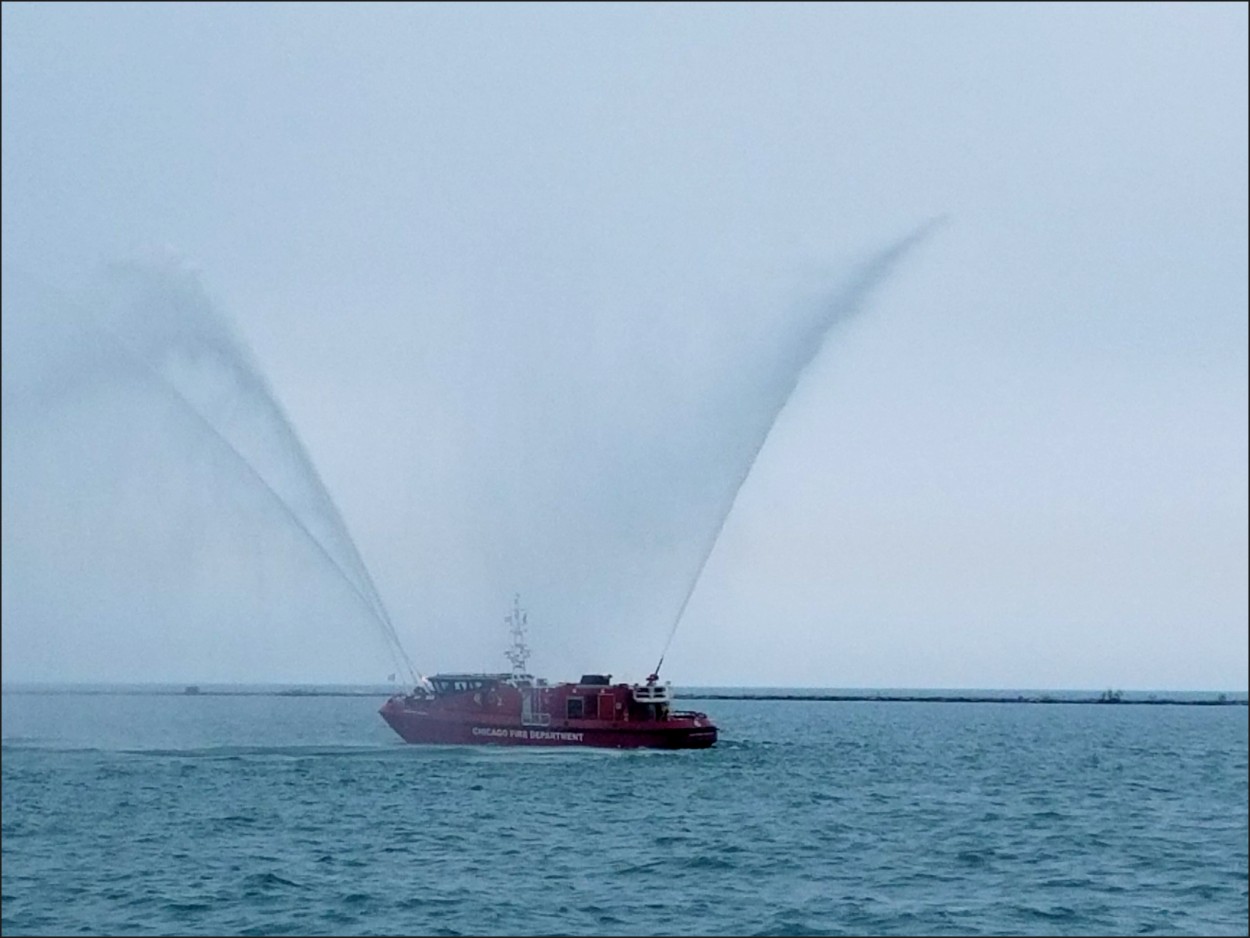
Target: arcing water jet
x=845 y=303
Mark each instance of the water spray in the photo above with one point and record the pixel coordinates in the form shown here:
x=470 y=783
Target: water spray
x=846 y=303
x=230 y=356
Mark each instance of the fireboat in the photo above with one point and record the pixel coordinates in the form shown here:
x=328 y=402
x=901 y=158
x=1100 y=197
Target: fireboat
x=517 y=709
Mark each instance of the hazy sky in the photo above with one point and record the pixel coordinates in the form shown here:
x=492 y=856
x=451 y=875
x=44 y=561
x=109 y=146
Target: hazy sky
x=527 y=279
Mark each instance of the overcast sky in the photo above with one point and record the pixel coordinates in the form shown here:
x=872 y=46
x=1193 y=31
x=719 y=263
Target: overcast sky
x=529 y=282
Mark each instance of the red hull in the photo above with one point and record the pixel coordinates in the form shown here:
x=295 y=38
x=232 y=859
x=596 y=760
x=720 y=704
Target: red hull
x=675 y=733
x=494 y=709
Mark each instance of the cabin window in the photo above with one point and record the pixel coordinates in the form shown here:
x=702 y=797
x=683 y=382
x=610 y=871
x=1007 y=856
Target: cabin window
x=575 y=711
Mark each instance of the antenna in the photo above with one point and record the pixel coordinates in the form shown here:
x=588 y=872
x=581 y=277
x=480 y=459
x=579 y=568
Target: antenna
x=518 y=652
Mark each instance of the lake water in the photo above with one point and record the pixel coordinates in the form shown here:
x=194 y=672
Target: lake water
x=144 y=814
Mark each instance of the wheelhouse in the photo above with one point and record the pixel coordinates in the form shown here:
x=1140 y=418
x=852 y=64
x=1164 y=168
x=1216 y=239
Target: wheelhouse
x=447 y=684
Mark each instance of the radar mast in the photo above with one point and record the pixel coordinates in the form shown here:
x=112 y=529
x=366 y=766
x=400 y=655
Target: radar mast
x=518 y=652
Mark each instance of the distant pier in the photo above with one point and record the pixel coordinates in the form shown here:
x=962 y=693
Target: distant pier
x=1106 y=698
x=1114 y=699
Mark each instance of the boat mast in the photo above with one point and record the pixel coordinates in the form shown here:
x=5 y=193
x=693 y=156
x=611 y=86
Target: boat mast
x=518 y=652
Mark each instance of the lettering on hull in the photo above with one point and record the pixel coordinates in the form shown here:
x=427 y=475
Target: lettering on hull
x=553 y=735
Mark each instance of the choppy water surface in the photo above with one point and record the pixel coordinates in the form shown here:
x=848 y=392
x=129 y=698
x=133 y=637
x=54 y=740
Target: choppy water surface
x=261 y=815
